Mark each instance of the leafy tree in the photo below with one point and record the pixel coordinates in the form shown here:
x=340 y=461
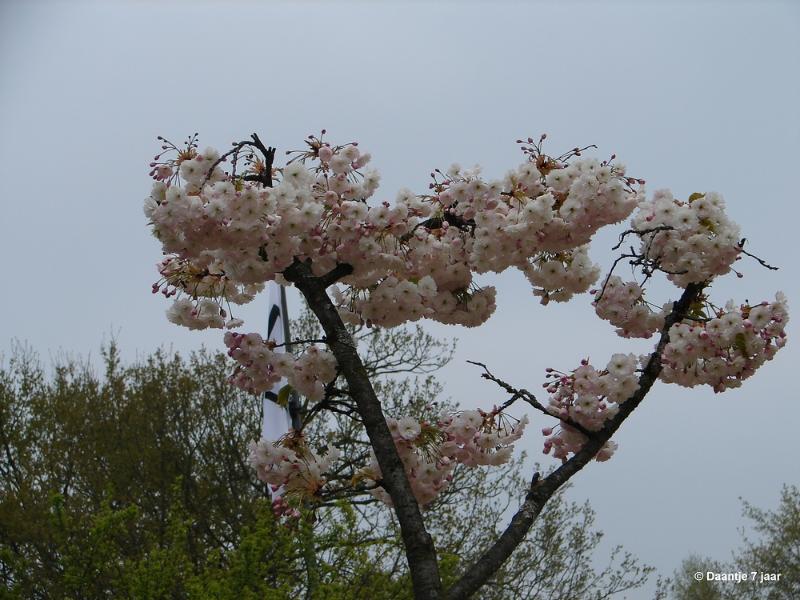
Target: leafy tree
x=777 y=547
x=131 y=483
x=776 y=550
x=687 y=585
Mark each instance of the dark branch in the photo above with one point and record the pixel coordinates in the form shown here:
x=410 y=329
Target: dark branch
x=335 y=274
x=541 y=490
x=293 y=342
x=640 y=232
x=420 y=551
x=740 y=245
x=448 y=217
x=523 y=394
x=264 y=177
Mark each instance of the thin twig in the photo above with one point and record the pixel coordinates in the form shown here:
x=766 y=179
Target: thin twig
x=523 y=394
x=321 y=341
x=740 y=245
x=640 y=233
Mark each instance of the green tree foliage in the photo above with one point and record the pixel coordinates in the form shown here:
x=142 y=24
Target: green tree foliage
x=775 y=550
x=686 y=586
x=133 y=483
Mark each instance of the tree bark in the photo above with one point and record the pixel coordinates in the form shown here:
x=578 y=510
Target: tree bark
x=420 y=551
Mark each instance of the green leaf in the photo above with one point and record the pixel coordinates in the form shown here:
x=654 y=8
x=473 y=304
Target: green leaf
x=283 y=395
x=741 y=344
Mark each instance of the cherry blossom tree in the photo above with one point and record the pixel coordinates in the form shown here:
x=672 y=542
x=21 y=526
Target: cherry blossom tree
x=230 y=222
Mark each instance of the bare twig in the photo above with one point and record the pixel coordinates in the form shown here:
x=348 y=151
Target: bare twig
x=640 y=233
x=740 y=245
x=528 y=397
x=268 y=153
x=293 y=342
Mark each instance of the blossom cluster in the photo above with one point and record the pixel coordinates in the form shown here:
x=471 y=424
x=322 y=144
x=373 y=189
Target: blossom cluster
x=393 y=302
x=412 y=259
x=430 y=451
x=261 y=366
x=560 y=275
x=587 y=397
x=205 y=288
x=623 y=305
x=691 y=241
x=200 y=314
x=290 y=464
x=725 y=350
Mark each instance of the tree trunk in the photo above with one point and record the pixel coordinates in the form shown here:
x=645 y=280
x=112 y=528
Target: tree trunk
x=420 y=551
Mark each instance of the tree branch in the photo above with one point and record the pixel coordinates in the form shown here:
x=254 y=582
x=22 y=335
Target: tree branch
x=335 y=274
x=529 y=398
x=541 y=490
x=763 y=263
x=264 y=177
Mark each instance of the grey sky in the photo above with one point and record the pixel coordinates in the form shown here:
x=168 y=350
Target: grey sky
x=692 y=96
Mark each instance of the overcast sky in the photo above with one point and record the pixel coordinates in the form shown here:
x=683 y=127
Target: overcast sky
x=691 y=96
